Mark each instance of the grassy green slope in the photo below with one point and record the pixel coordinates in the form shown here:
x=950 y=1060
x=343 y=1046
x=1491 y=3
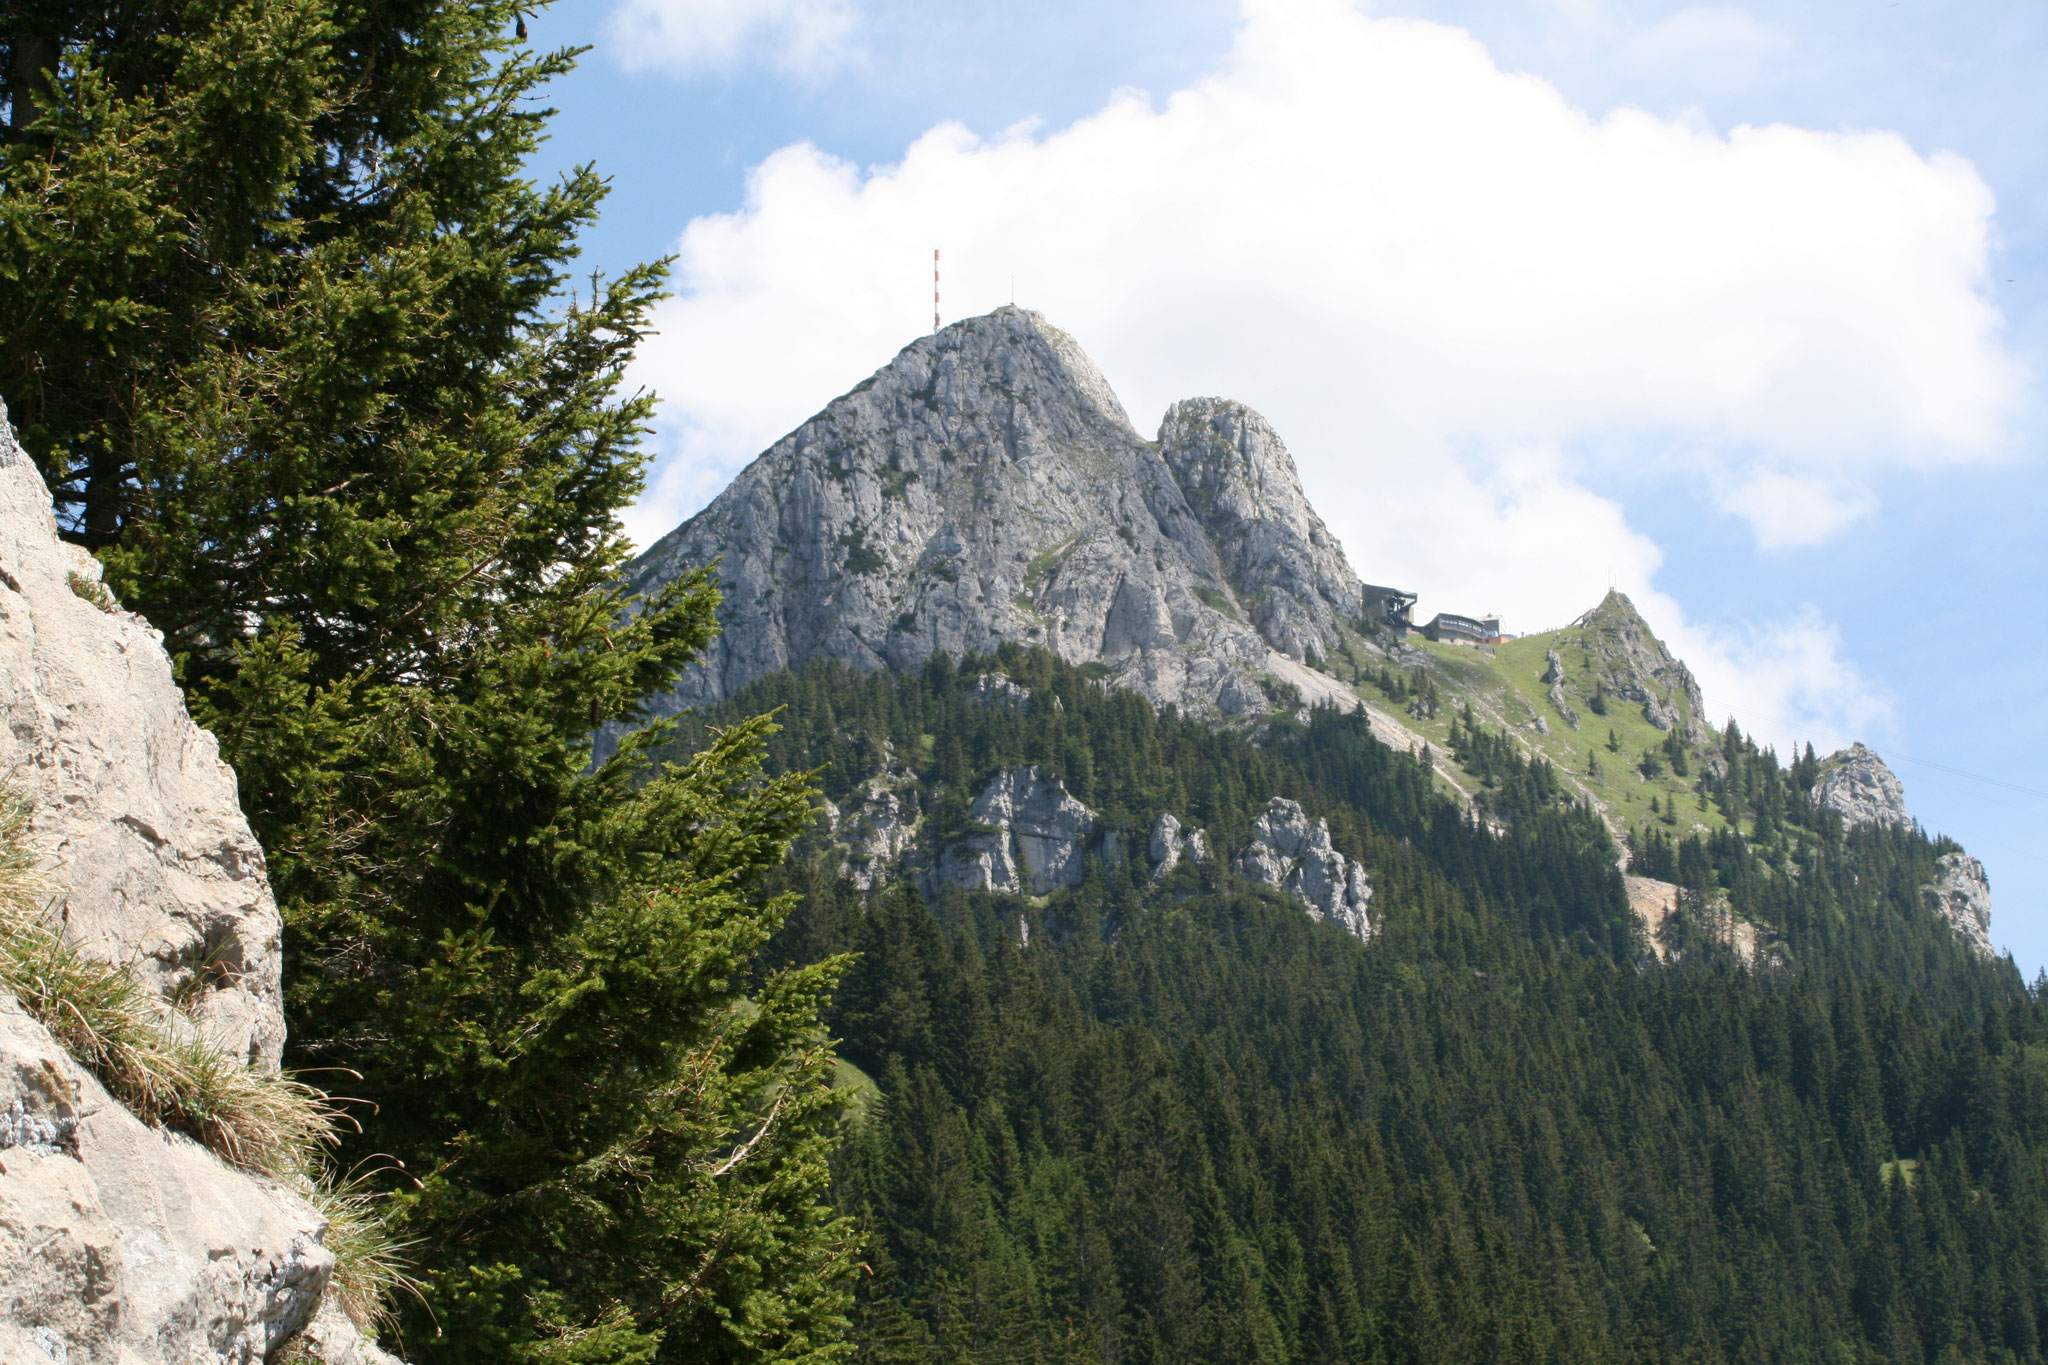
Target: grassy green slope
x=1503 y=684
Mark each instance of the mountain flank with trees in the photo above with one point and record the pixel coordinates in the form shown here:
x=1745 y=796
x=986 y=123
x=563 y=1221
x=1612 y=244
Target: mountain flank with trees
x=985 y=487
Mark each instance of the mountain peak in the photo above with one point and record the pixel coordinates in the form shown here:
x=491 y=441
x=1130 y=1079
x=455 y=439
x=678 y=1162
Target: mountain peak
x=1629 y=661
x=993 y=356
x=1616 y=609
x=987 y=486
x=1242 y=484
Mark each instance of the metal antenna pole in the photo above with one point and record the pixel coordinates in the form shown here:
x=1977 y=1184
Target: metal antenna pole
x=935 y=291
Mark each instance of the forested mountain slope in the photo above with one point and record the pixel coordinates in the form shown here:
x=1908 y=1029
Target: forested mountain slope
x=985 y=487
x=1161 y=1113
x=1233 y=977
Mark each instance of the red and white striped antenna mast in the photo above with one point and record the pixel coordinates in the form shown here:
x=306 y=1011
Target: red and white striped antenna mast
x=935 y=291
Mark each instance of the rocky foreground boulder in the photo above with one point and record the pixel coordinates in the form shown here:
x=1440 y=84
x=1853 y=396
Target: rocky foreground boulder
x=147 y=856
x=119 y=1242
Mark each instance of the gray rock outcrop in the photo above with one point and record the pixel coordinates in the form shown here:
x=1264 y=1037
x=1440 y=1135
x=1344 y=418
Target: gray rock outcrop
x=126 y=1244
x=1290 y=853
x=1858 y=785
x=1036 y=840
x=1962 y=896
x=121 y=1243
x=1553 y=678
x=999 y=689
x=331 y=1339
x=986 y=486
x=1170 y=841
x=1564 y=707
x=878 y=828
x=136 y=817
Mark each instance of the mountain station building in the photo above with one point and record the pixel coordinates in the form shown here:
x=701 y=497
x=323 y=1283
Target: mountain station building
x=1465 y=630
x=1390 y=607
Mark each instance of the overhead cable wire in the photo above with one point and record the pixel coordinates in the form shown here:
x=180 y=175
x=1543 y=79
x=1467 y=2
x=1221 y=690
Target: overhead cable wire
x=1908 y=758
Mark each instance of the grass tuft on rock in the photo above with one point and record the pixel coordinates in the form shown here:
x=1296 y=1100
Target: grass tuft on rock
x=153 y=1060
x=370 y=1263
x=166 y=1072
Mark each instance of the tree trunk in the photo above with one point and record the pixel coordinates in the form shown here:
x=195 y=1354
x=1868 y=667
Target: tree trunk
x=34 y=59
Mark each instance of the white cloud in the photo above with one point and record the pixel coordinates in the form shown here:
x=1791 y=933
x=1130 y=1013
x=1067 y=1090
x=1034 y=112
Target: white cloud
x=803 y=37
x=1789 y=512
x=1445 y=285
x=1706 y=43
x=1786 y=683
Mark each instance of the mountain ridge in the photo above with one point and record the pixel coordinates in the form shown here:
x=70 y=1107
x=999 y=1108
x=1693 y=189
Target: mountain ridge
x=987 y=487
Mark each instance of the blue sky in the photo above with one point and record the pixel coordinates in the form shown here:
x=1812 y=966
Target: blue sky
x=1744 y=310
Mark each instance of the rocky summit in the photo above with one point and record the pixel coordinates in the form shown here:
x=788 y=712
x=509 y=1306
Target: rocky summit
x=1862 y=789
x=987 y=486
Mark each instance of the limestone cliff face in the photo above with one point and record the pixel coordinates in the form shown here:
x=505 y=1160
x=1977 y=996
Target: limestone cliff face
x=878 y=827
x=1289 y=572
x=121 y=1243
x=1863 y=790
x=986 y=486
x=1037 y=837
x=1289 y=853
x=1170 y=841
x=1962 y=896
x=136 y=817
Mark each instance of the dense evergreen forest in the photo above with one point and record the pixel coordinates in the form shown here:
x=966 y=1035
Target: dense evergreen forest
x=1182 y=1121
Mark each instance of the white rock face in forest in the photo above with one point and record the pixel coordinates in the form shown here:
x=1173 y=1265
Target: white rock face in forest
x=879 y=828
x=1170 y=841
x=1293 y=854
x=1038 y=839
x=1962 y=896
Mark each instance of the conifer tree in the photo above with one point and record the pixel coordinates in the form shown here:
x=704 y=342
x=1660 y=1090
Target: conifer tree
x=291 y=335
